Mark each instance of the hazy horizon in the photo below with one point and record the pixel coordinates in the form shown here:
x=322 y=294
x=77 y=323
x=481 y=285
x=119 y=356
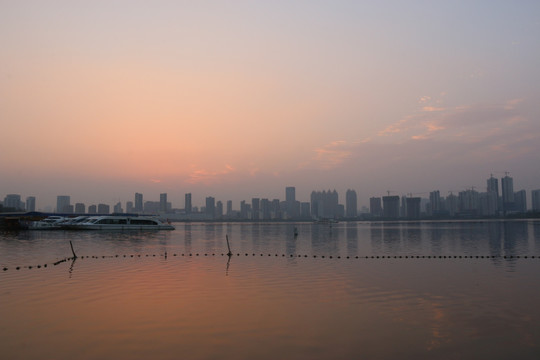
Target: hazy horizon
x=102 y=99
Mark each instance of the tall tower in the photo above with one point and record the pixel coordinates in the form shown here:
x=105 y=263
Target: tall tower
x=138 y=203
x=187 y=206
x=507 y=184
x=351 y=204
x=163 y=202
x=31 y=203
x=290 y=200
x=63 y=202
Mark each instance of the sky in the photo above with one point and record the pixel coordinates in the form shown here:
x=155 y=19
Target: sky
x=239 y=99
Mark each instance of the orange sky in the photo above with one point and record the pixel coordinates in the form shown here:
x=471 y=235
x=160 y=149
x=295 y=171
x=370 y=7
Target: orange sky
x=240 y=100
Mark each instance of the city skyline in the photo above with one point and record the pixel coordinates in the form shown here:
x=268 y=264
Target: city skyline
x=490 y=200
x=241 y=99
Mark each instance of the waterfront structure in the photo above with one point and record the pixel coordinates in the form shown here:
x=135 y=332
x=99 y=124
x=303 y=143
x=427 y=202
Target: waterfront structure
x=187 y=203
x=292 y=207
x=493 y=189
x=103 y=209
x=265 y=209
x=229 y=208
x=13 y=201
x=163 y=202
x=391 y=206
x=117 y=209
x=210 y=207
x=324 y=205
x=507 y=184
x=255 y=208
x=520 y=201
x=31 y=203
x=535 y=197
x=469 y=202
x=435 y=203
x=413 y=207
x=219 y=210
x=80 y=208
x=63 y=203
x=351 y=204
x=375 y=207
x=138 y=203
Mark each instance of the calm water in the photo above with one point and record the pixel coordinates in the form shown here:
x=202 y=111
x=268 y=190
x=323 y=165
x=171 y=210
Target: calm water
x=143 y=304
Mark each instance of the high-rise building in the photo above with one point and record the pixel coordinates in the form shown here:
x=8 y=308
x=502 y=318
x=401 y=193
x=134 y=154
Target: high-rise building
x=265 y=209
x=435 y=202
x=210 y=207
x=80 y=208
x=92 y=209
x=255 y=208
x=413 y=207
x=507 y=184
x=63 y=203
x=103 y=209
x=375 y=207
x=187 y=203
x=520 y=201
x=219 y=210
x=117 y=209
x=138 y=203
x=290 y=200
x=229 y=208
x=351 y=204
x=31 y=203
x=325 y=204
x=391 y=206
x=129 y=207
x=163 y=202
x=13 y=201
x=535 y=197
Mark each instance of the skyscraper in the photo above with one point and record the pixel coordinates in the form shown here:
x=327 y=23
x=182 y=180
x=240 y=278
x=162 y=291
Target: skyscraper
x=63 y=203
x=13 y=201
x=507 y=184
x=493 y=193
x=80 y=208
x=535 y=195
x=31 y=203
x=435 y=202
x=391 y=206
x=229 y=207
x=290 y=200
x=375 y=207
x=255 y=208
x=351 y=205
x=187 y=203
x=210 y=207
x=163 y=202
x=520 y=201
x=138 y=203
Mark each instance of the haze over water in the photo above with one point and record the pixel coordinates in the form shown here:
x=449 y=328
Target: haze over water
x=259 y=305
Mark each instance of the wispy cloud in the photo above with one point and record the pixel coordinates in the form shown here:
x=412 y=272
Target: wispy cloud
x=464 y=122
x=207 y=177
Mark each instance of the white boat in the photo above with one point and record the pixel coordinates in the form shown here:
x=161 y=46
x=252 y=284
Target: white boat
x=118 y=222
x=49 y=223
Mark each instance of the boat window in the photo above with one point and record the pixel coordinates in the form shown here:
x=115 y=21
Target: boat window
x=143 y=222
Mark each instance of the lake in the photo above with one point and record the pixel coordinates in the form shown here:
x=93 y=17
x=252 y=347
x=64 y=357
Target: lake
x=407 y=290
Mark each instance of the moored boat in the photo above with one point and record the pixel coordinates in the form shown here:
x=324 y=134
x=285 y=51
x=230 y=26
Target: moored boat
x=118 y=222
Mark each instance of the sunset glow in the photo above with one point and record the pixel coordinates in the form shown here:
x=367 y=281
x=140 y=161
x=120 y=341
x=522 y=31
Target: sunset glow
x=104 y=99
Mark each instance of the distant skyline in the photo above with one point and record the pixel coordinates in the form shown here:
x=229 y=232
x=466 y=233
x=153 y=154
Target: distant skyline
x=102 y=99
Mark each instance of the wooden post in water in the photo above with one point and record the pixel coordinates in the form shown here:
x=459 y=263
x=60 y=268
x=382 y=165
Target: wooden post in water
x=73 y=251
x=228 y=246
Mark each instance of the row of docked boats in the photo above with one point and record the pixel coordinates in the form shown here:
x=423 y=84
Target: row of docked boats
x=104 y=222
